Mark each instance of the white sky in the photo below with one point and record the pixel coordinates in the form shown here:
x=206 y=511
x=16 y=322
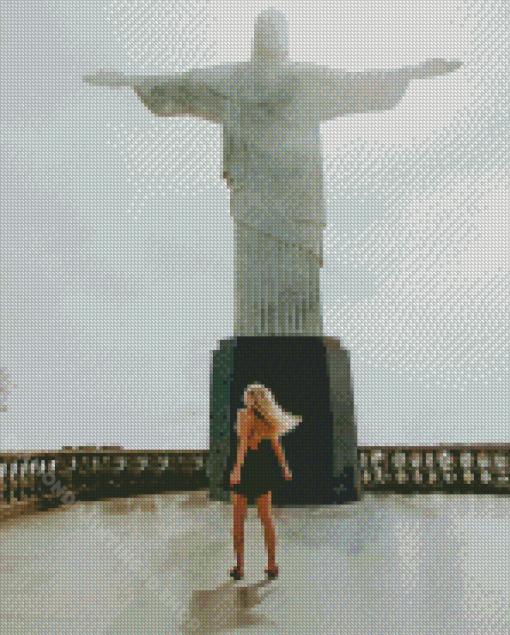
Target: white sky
x=116 y=242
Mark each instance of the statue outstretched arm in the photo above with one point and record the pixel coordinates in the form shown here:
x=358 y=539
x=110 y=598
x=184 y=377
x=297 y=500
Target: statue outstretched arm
x=434 y=68
x=110 y=78
x=166 y=95
x=324 y=93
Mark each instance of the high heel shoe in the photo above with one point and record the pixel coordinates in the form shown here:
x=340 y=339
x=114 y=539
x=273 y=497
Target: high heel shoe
x=237 y=573
x=272 y=572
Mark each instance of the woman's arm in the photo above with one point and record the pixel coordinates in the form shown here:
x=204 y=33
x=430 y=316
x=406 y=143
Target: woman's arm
x=279 y=452
x=242 y=427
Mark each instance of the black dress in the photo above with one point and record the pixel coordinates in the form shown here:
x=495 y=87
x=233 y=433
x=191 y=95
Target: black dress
x=260 y=473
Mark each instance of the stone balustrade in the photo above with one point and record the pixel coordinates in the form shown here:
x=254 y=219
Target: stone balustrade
x=45 y=478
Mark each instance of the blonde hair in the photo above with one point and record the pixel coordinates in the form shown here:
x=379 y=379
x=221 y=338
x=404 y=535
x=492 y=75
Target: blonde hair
x=269 y=416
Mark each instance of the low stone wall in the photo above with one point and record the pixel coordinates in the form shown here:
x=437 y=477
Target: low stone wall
x=40 y=480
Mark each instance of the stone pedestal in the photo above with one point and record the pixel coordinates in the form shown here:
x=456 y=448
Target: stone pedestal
x=309 y=376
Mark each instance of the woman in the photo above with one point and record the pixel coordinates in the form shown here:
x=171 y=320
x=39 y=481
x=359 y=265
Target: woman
x=260 y=468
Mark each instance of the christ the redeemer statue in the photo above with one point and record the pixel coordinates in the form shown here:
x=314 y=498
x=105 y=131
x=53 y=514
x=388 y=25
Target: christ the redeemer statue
x=270 y=109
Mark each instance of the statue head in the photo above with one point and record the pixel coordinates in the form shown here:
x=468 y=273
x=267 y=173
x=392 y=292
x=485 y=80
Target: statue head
x=271 y=37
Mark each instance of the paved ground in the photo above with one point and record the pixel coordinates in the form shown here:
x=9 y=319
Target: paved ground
x=431 y=564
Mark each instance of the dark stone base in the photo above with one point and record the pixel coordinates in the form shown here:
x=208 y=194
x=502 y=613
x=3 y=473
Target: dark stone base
x=309 y=376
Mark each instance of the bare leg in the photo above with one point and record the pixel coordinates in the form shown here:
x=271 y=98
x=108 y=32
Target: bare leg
x=264 y=513
x=270 y=542
x=240 y=511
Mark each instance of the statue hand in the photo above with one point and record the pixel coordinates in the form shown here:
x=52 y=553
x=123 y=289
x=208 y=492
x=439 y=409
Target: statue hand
x=114 y=79
x=435 y=67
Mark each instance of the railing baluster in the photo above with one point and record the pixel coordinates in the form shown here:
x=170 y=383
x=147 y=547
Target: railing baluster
x=8 y=483
x=18 y=479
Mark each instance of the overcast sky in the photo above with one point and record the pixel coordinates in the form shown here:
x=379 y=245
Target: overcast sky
x=117 y=240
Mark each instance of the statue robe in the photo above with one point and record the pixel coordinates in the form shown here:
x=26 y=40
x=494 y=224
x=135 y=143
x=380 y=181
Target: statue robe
x=273 y=163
